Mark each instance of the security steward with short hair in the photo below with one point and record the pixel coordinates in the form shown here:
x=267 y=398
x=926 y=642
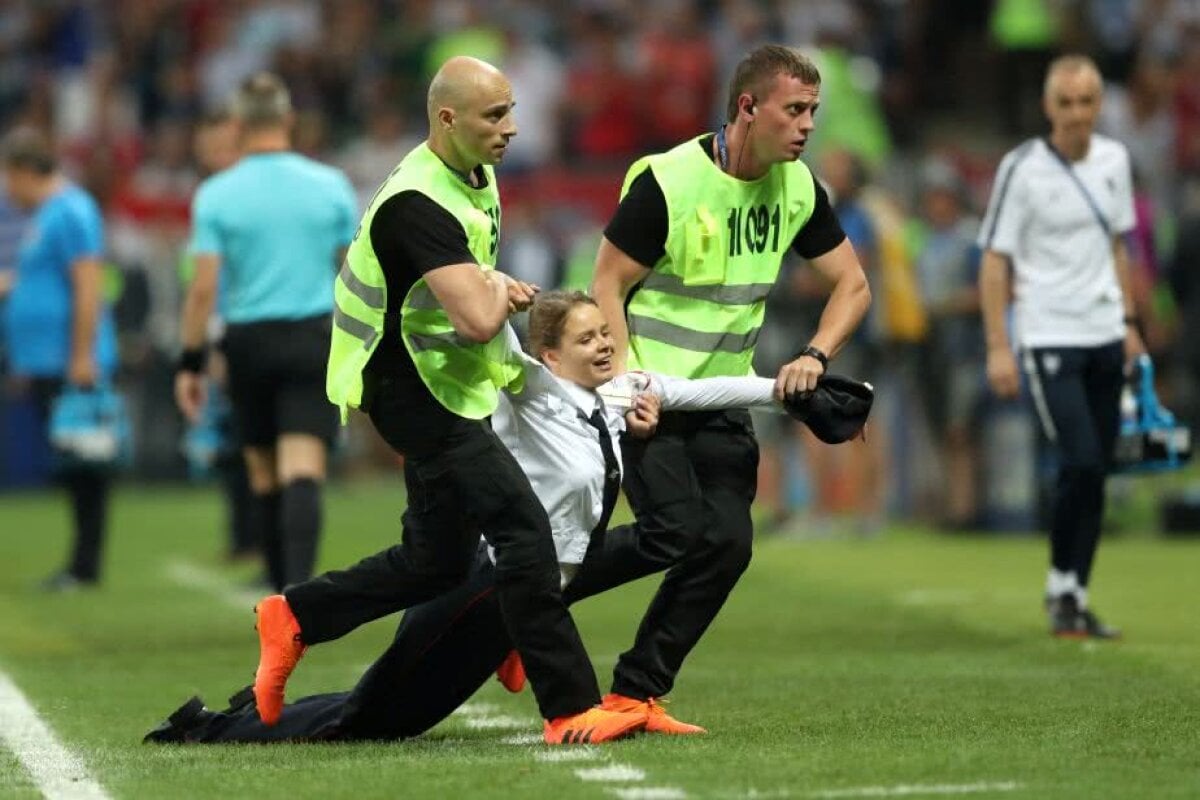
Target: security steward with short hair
x=419 y=344
x=682 y=275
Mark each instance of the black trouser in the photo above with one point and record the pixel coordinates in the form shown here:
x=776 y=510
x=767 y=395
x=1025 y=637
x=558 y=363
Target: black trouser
x=471 y=485
x=691 y=486
x=88 y=490
x=443 y=652
x=1076 y=393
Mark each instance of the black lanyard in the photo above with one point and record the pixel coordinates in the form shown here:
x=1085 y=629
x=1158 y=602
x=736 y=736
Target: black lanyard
x=722 y=150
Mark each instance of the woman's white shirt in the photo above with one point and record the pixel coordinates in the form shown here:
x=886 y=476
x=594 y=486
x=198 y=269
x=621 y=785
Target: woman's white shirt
x=545 y=427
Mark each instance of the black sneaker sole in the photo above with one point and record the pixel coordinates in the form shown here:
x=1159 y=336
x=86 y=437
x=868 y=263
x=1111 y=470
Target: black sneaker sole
x=176 y=726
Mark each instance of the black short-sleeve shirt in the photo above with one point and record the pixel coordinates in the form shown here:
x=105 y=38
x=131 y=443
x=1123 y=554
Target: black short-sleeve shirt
x=411 y=235
x=639 y=228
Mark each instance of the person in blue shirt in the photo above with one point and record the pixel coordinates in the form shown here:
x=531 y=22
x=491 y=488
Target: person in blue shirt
x=58 y=328
x=269 y=234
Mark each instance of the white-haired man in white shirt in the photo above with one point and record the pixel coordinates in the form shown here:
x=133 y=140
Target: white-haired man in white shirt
x=1053 y=242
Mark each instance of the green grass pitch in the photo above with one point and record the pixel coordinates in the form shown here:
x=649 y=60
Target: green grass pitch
x=915 y=664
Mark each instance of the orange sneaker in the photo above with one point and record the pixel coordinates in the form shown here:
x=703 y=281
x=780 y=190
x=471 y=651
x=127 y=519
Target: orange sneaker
x=511 y=672
x=592 y=726
x=657 y=718
x=279 y=649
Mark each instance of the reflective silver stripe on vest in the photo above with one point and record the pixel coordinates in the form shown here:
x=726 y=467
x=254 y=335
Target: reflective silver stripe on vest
x=738 y=295
x=371 y=295
x=422 y=298
x=688 y=339
x=357 y=329
x=434 y=341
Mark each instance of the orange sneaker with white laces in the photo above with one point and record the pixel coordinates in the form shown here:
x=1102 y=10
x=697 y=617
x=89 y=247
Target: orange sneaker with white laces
x=279 y=650
x=657 y=718
x=593 y=726
x=511 y=672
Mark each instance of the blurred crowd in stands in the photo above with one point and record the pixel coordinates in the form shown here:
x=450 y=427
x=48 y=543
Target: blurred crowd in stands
x=919 y=100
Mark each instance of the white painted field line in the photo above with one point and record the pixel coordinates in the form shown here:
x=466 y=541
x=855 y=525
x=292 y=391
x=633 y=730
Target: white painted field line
x=194 y=576
x=611 y=773
x=938 y=597
x=496 y=723
x=899 y=790
x=556 y=755
x=483 y=716
x=57 y=772
x=523 y=740
x=649 y=793
x=906 y=790
x=473 y=709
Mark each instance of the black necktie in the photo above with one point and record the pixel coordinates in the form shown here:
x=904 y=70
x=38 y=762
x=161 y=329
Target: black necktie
x=612 y=470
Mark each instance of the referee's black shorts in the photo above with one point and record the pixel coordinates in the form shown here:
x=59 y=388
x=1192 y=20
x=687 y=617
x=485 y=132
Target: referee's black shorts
x=277 y=379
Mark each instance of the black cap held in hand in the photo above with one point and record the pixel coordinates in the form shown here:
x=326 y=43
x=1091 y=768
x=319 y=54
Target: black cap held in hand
x=836 y=410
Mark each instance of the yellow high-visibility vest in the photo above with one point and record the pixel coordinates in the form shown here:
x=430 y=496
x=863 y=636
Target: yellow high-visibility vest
x=699 y=311
x=464 y=376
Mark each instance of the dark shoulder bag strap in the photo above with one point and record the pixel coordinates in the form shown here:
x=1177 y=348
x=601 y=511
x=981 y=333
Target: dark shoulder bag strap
x=1091 y=201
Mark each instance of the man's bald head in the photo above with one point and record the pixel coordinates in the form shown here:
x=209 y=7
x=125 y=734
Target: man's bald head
x=460 y=82
x=470 y=108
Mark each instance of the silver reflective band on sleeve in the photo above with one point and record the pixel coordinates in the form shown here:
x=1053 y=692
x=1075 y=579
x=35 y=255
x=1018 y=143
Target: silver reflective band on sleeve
x=422 y=298
x=738 y=295
x=434 y=341
x=357 y=329
x=371 y=295
x=688 y=339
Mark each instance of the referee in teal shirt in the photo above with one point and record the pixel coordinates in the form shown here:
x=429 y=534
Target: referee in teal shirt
x=270 y=232
x=58 y=328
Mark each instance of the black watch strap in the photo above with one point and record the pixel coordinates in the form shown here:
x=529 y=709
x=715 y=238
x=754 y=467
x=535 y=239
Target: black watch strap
x=193 y=360
x=818 y=354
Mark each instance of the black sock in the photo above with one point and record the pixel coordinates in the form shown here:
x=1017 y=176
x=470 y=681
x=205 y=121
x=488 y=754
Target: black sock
x=263 y=514
x=301 y=518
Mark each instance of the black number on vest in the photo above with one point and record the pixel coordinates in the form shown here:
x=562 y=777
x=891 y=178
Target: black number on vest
x=494 y=215
x=758 y=226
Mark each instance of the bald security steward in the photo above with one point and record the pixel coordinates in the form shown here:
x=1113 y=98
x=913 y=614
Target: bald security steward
x=419 y=345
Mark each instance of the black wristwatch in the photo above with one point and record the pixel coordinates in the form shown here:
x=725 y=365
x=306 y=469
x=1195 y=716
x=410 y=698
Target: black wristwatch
x=818 y=354
x=193 y=360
